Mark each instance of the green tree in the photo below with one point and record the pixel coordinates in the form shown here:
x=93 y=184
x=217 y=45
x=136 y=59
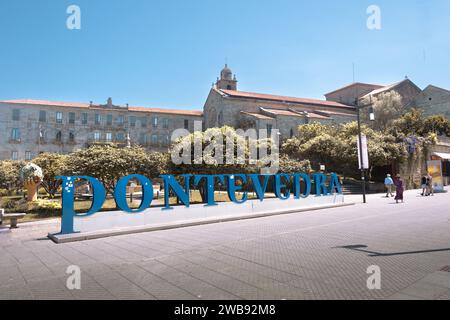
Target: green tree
x=336 y=147
x=108 y=163
x=10 y=173
x=53 y=165
x=214 y=158
x=386 y=106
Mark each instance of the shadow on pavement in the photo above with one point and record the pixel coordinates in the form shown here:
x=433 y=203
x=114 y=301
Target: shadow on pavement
x=362 y=248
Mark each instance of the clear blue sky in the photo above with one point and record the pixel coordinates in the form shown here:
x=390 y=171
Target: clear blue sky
x=167 y=53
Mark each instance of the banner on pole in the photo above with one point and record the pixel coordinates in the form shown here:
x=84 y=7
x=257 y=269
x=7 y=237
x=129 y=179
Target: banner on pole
x=365 y=153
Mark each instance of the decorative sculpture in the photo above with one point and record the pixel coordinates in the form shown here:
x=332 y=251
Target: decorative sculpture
x=32 y=177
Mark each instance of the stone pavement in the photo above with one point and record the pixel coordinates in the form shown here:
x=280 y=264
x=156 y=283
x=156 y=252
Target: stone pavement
x=311 y=255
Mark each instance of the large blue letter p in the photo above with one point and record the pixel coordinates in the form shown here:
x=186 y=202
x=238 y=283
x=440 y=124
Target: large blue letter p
x=68 y=190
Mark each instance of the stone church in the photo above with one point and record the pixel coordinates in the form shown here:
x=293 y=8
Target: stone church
x=226 y=105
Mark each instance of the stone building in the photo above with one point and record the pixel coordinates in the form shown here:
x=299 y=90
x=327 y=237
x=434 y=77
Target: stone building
x=30 y=126
x=225 y=105
x=355 y=92
x=433 y=101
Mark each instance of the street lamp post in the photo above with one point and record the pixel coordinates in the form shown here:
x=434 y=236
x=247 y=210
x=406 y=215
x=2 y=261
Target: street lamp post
x=361 y=159
x=363 y=178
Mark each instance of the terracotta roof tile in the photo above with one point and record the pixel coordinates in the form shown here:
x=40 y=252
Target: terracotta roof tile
x=85 y=105
x=374 y=86
x=270 y=97
x=281 y=112
x=257 y=115
x=317 y=116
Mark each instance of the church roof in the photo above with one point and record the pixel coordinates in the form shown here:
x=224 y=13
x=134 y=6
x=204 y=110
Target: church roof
x=257 y=115
x=87 y=105
x=432 y=87
x=389 y=87
x=369 y=85
x=281 y=112
x=285 y=99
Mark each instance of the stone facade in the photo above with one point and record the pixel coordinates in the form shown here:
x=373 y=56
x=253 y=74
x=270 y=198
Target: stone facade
x=31 y=127
x=240 y=109
x=433 y=101
x=351 y=93
x=358 y=91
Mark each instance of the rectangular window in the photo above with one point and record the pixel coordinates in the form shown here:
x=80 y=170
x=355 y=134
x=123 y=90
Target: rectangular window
x=144 y=122
x=109 y=119
x=120 y=136
x=155 y=122
x=59 y=117
x=14 y=155
x=97 y=136
x=142 y=138
x=166 y=140
x=27 y=155
x=15 y=134
x=84 y=118
x=186 y=124
x=16 y=115
x=154 y=139
x=108 y=137
x=98 y=118
x=132 y=121
x=120 y=120
x=42 y=116
x=166 y=123
x=71 y=117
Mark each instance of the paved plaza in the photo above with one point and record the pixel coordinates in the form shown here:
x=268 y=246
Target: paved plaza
x=310 y=255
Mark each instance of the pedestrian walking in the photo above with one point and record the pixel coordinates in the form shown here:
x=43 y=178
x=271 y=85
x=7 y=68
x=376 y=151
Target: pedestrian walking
x=423 y=182
x=399 y=188
x=389 y=183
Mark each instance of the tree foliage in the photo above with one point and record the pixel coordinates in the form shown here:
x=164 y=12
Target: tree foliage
x=414 y=123
x=386 y=106
x=216 y=151
x=108 y=163
x=336 y=146
x=10 y=173
x=52 y=165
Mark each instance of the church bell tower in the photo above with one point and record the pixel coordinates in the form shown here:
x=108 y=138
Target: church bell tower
x=227 y=80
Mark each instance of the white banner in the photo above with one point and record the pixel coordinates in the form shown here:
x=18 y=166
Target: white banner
x=365 y=152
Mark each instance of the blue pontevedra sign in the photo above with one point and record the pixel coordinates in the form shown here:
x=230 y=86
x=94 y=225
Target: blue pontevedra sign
x=260 y=183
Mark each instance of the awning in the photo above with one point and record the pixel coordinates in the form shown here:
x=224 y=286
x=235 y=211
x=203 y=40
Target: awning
x=442 y=155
